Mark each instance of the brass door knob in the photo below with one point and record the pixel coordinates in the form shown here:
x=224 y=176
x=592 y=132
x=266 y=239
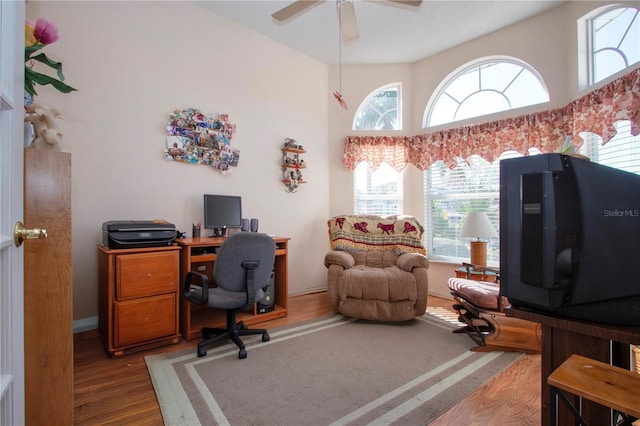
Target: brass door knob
x=20 y=233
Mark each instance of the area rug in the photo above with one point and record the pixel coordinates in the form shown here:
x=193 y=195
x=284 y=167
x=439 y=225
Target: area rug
x=331 y=371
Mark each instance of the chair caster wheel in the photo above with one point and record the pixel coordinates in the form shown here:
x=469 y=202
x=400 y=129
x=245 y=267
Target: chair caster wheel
x=265 y=337
x=201 y=353
x=242 y=354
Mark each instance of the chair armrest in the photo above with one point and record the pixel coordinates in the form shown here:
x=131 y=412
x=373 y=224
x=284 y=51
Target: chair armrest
x=196 y=288
x=340 y=258
x=408 y=261
x=250 y=269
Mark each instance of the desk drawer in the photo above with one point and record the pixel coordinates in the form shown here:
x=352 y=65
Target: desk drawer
x=139 y=320
x=146 y=274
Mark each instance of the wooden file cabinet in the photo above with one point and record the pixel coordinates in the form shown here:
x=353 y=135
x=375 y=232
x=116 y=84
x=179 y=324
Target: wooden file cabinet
x=199 y=254
x=138 y=297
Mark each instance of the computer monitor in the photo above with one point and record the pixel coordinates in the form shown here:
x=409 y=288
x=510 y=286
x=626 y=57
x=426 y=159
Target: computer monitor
x=222 y=212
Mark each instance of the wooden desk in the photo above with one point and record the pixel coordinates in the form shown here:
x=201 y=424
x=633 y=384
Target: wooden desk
x=562 y=337
x=198 y=254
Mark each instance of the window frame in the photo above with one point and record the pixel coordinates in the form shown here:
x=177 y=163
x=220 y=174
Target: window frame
x=365 y=168
x=365 y=103
x=470 y=67
x=590 y=37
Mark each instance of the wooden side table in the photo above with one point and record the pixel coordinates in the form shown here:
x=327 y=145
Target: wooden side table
x=487 y=276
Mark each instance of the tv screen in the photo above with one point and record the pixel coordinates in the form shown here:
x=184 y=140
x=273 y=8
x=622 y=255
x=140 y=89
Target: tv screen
x=570 y=238
x=222 y=212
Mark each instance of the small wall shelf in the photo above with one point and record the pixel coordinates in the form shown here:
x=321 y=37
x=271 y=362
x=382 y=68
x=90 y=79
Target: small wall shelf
x=292 y=164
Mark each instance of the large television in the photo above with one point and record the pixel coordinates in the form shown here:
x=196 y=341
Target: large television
x=222 y=212
x=570 y=238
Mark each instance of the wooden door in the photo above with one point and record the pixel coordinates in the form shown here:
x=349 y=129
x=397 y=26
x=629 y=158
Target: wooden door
x=11 y=257
x=48 y=289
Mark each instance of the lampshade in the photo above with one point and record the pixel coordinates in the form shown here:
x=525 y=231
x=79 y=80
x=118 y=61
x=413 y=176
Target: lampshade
x=478 y=225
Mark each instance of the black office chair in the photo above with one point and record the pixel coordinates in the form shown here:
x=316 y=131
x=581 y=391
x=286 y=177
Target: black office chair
x=241 y=271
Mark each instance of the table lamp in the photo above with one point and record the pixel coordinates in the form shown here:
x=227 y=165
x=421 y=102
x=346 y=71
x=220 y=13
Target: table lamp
x=477 y=225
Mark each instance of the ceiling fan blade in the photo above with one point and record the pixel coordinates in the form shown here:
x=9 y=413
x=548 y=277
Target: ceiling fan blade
x=415 y=3
x=293 y=9
x=348 y=21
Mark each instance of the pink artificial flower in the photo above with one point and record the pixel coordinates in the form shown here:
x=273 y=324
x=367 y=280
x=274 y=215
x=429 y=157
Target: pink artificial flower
x=46 y=32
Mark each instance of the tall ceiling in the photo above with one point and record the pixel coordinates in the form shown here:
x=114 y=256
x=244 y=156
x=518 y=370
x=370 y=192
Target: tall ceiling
x=389 y=32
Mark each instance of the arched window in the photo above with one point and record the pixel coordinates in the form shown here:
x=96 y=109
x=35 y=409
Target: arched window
x=485 y=87
x=613 y=39
x=379 y=191
x=381 y=110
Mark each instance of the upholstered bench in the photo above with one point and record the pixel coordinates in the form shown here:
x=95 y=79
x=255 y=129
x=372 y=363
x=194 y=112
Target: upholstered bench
x=481 y=308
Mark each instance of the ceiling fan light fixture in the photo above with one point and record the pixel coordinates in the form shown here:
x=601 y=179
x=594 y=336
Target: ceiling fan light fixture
x=348 y=21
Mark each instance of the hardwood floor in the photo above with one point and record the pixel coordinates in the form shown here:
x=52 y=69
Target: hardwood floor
x=119 y=391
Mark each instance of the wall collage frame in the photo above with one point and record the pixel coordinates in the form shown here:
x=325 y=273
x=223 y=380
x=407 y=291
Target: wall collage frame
x=197 y=138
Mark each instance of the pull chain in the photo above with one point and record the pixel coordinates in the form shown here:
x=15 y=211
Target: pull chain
x=338 y=94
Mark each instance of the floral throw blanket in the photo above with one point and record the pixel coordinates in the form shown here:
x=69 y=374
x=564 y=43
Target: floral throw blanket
x=400 y=234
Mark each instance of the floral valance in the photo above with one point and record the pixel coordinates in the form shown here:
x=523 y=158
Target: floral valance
x=595 y=112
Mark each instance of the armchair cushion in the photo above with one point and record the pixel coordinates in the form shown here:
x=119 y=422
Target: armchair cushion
x=383 y=294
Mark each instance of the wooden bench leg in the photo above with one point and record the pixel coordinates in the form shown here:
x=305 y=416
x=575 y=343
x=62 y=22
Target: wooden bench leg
x=557 y=394
x=494 y=331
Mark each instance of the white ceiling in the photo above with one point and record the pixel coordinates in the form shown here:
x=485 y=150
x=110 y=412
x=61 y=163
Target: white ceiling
x=389 y=32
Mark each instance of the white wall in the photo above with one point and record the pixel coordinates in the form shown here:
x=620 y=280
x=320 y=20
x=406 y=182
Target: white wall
x=133 y=64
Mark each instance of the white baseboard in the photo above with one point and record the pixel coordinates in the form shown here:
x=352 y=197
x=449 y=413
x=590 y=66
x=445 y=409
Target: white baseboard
x=91 y=323
x=85 y=324
x=441 y=294
x=308 y=291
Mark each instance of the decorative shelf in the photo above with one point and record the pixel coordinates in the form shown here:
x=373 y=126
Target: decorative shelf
x=291 y=164
x=299 y=151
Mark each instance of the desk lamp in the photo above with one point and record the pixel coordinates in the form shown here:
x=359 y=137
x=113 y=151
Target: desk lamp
x=477 y=225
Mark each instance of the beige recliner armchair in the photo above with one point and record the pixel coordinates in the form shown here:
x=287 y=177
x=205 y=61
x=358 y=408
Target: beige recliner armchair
x=377 y=268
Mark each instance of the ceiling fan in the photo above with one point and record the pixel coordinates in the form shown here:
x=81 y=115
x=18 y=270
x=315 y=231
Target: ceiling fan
x=346 y=14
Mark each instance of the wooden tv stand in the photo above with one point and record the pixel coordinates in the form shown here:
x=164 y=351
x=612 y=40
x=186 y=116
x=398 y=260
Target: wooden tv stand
x=199 y=254
x=563 y=337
